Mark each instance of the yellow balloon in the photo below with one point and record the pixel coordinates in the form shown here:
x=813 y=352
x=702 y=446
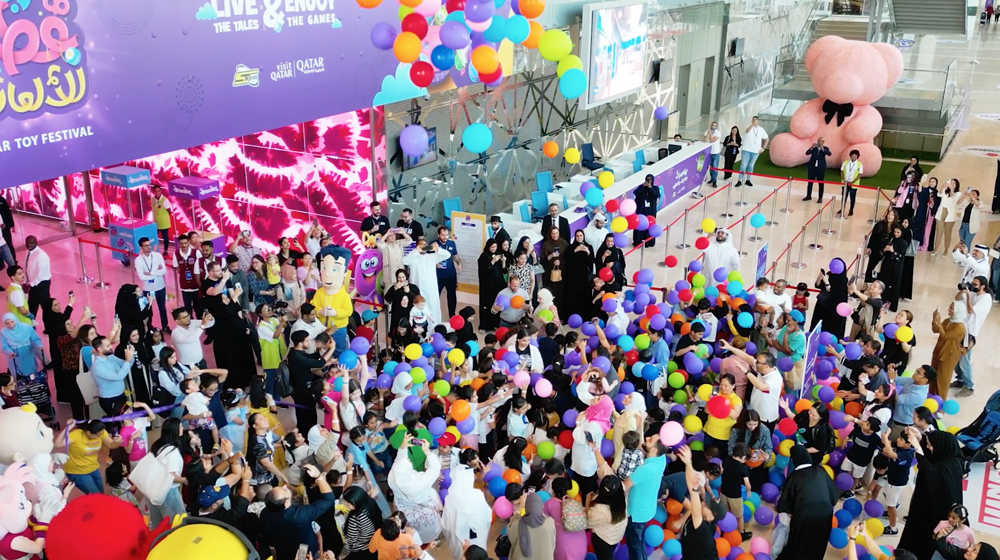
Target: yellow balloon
x=571 y=155
x=785 y=447
x=904 y=334
x=771 y=460
x=708 y=225
x=828 y=470
x=413 y=351
x=606 y=179
x=574 y=489
x=619 y=224
x=456 y=357
x=454 y=431
x=554 y=45
x=837 y=404
x=570 y=62
x=705 y=392
x=952 y=429
x=931 y=405
x=692 y=424
x=610 y=434
x=404 y=11
x=875 y=527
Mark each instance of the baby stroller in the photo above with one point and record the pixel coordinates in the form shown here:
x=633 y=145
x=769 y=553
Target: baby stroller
x=34 y=389
x=979 y=439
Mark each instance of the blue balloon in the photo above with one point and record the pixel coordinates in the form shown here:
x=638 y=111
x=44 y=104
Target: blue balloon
x=594 y=197
x=517 y=29
x=650 y=372
x=348 y=359
x=626 y=343
x=838 y=538
x=744 y=320
x=477 y=138
x=497 y=486
x=671 y=548
x=573 y=83
x=653 y=535
x=442 y=57
x=734 y=287
x=950 y=407
x=545 y=496
x=427 y=349
x=853 y=506
x=497 y=30
x=757 y=220
x=844 y=518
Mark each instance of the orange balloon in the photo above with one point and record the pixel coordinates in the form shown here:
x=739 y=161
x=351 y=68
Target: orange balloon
x=406 y=47
x=748 y=556
x=674 y=507
x=512 y=475
x=644 y=324
x=621 y=374
x=853 y=408
x=477 y=383
x=410 y=3
x=534 y=34
x=802 y=404
x=517 y=302
x=733 y=538
x=460 y=410
x=531 y=8
x=685 y=328
x=723 y=547
x=529 y=451
x=737 y=303
x=669 y=535
x=369 y=3
x=550 y=149
x=608 y=296
x=485 y=59
x=676 y=317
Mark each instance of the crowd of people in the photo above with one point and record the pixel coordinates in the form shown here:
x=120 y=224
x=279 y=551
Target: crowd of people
x=576 y=410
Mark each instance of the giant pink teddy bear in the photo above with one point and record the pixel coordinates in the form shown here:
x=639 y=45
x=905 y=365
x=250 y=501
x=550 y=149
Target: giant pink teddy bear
x=848 y=77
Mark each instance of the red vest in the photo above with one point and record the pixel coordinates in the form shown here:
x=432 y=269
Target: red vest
x=203 y=265
x=185 y=270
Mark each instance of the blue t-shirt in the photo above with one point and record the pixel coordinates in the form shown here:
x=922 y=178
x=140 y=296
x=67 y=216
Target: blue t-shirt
x=446 y=269
x=898 y=473
x=676 y=486
x=360 y=454
x=645 y=492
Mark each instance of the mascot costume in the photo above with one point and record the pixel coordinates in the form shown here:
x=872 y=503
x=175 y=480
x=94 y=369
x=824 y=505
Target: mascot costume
x=26 y=439
x=333 y=303
x=848 y=76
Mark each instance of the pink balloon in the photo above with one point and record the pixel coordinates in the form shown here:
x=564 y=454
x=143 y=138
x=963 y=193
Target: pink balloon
x=428 y=8
x=627 y=207
x=503 y=508
x=759 y=545
x=521 y=379
x=481 y=26
x=543 y=388
x=843 y=309
x=671 y=433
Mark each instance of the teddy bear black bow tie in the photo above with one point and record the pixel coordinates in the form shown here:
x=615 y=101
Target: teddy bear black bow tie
x=840 y=110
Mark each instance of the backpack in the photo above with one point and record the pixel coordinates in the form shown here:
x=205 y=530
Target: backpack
x=282 y=380
x=574 y=517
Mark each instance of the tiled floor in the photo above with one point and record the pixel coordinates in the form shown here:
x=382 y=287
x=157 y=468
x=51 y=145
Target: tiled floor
x=934 y=278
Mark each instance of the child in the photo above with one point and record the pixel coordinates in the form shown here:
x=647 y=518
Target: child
x=632 y=456
x=155 y=339
x=308 y=275
x=881 y=465
x=133 y=433
x=121 y=488
x=517 y=419
x=360 y=453
x=800 y=300
x=296 y=452
x=236 y=417
x=421 y=322
x=8 y=391
x=272 y=270
x=736 y=477
x=377 y=441
x=865 y=437
x=391 y=542
x=447 y=452
x=898 y=474
x=764 y=309
x=197 y=414
x=955 y=530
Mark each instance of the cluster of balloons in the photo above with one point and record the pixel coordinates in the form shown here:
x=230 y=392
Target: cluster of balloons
x=661 y=531
x=627 y=218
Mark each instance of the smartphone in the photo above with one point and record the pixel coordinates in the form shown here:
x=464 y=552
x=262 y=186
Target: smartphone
x=302 y=552
x=589 y=436
x=245 y=233
x=239 y=286
x=116 y=317
x=71 y=293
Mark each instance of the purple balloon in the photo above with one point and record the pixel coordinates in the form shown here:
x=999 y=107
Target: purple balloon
x=466 y=426
x=641 y=300
x=720 y=274
x=643 y=224
x=627 y=388
x=412 y=403
x=693 y=365
x=514 y=6
x=657 y=322
x=628 y=306
x=569 y=418
x=645 y=276
x=445 y=479
x=621 y=240
x=383 y=35
x=512 y=359
x=502 y=301
x=844 y=481
x=769 y=492
x=890 y=330
x=715 y=365
x=785 y=364
x=681 y=285
x=384 y=381
x=360 y=345
x=413 y=140
x=873 y=508
x=443 y=494
x=479 y=10
x=602 y=363
x=575 y=321
x=437 y=426
x=837 y=266
x=401 y=367
x=454 y=35
x=661 y=113
x=588 y=329
x=607 y=448
x=836 y=458
x=494 y=471
x=609 y=305
x=853 y=350
x=751 y=348
x=655 y=230
x=763 y=515
x=420 y=362
x=826 y=394
x=695 y=266
x=765 y=556
x=672 y=298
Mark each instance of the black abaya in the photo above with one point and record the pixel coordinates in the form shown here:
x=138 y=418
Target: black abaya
x=892 y=271
x=139 y=381
x=232 y=345
x=996 y=191
x=938 y=486
x=826 y=305
x=55 y=326
x=808 y=496
x=906 y=281
x=554 y=261
x=580 y=269
x=877 y=240
x=128 y=311
x=491 y=282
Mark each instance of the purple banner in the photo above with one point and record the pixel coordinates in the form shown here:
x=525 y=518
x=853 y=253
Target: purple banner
x=812 y=350
x=92 y=83
x=761 y=262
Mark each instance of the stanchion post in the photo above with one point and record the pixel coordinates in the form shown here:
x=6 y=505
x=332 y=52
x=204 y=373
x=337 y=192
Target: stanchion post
x=815 y=246
x=729 y=196
x=684 y=226
x=84 y=278
x=878 y=197
x=704 y=214
x=743 y=236
x=741 y=203
x=801 y=263
x=788 y=258
x=788 y=198
x=755 y=238
x=774 y=204
x=666 y=247
x=829 y=230
x=100 y=284
x=642 y=252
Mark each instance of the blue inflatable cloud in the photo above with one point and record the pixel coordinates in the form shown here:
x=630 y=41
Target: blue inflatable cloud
x=206 y=12
x=398 y=88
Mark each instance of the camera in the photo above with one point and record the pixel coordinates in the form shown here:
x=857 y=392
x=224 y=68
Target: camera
x=280 y=305
x=966 y=286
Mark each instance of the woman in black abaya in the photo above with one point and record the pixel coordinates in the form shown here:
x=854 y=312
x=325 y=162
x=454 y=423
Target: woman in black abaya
x=909 y=257
x=492 y=265
x=891 y=275
x=580 y=269
x=808 y=496
x=832 y=292
x=140 y=381
x=232 y=342
x=133 y=308
x=938 y=486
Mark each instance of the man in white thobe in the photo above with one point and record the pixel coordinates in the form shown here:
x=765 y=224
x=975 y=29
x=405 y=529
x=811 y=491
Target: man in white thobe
x=422 y=262
x=721 y=253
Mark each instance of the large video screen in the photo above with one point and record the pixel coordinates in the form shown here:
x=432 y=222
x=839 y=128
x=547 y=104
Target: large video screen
x=613 y=48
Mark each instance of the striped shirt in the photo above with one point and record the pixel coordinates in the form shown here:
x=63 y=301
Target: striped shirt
x=358 y=532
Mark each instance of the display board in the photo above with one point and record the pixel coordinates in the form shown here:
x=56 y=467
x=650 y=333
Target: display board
x=469 y=231
x=761 y=262
x=812 y=350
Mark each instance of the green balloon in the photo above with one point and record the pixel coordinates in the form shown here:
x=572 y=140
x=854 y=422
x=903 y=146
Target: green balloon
x=697 y=446
x=676 y=380
x=568 y=63
x=642 y=341
x=442 y=387
x=554 y=45
x=698 y=280
x=680 y=396
x=546 y=450
x=671 y=366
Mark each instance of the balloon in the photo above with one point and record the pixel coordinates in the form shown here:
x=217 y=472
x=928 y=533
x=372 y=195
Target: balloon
x=503 y=508
x=534 y=35
x=628 y=207
x=572 y=156
x=692 y=424
x=550 y=149
x=478 y=11
x=416 y=24
x=456 y=357
x=569 y=418
x=418 y=374
x=606 y=178
x=671 y=433
x=516 y=29
x=413 y=140
x=497 y=485
x=837 y=266
x=437 y=426
x=460 y=410
x=670 y=261
x=442 y=57
x=411 y=403
x=757 y=220
x=572 y=84
x=348 y=359
x=383 y=35
x=719 y=406
x=661 y=113
x=406 y=47
x=950 y=407
x=517 y=302
x=442 y=387
x=763 y=516
x=708 y=225
x=838 y=538
x=875 y=527
x=454 y=35
x=543 y=388
x=904 y=334
x=701 y=243
x=384 y=381
x=554 y=45
x=874 y=508
x=594 y=197
x=485 y=60
x=568 y=62
x=653 y=535
x=931 y=405
x=477 y=137
x=421 y=74
x=843 y=309
x=531 y=8
x=618 y=225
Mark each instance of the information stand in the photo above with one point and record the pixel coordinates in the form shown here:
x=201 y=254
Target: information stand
x=197 y=189
x=126 y=233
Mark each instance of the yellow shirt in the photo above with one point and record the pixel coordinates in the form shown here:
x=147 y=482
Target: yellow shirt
x=83 y=452
x=720 y=428
x=273 y=274
x=161 y=212
x=339 y=301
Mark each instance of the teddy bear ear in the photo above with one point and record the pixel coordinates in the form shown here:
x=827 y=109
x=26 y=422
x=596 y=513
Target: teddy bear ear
x=822 y=45
x=893 y=62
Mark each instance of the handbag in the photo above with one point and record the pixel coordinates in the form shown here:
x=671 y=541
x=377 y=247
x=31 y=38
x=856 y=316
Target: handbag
x=574 y=516
x=88 y=387
x=502 y=549
x=282 y=380
x=150 y=477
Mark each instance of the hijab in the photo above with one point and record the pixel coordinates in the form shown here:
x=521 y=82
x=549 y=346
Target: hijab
x=800 y=457
x=600 y=413
x=959 y=313
x=18 y=336
x=400 y=392
x=415 y=487
x=545 y=298
x=486 y=256
x=143 y=353
x=55 y=323
x=987 y=552
x=533 y=518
